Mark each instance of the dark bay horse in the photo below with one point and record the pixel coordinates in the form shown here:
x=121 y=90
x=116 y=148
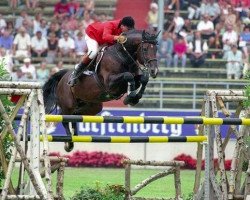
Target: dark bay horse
x=119 y=69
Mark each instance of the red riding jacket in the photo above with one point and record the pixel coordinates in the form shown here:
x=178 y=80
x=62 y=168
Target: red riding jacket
x=104 y=32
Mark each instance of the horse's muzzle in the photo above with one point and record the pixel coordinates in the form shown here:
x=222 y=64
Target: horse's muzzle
x=154 y=72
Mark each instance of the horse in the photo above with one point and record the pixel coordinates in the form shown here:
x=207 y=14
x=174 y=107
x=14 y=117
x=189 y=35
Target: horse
x=117 y=69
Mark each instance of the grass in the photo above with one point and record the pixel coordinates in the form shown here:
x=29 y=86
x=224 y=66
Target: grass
x=75 y=178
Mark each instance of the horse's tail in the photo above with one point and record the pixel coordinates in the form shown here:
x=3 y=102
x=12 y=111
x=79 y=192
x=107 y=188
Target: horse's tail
x=49 y=91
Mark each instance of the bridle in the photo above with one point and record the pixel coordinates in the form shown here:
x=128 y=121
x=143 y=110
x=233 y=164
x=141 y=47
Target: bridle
x=143 y=52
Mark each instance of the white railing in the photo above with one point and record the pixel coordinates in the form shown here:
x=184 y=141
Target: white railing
x=162 y=91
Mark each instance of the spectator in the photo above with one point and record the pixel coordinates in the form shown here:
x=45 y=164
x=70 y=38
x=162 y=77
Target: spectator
x=206 y=27
x=53 y=71
x=230 y=17
x=213 y=10
x=194 y=9
x=29 y=29
x=37 y=22
x=152 y=17
x=180 y=50
x=54 y=28
x=245 y=15
x=23 y=16
x=43 y=73
x=43 y=27
x=174 y=4
x=234 y=63
x=197 y=50
x=31 y=3
x=229 y=38
x=13 y=3
x=21 y=44
x=165 y=49
x=61 y=9
x=245 y=42
x=3 y=24
x=60 y=65
x=87 y=20
x=39 y=45
x=66 y=45
x=80 y=27
x=89 y=6
x=187 y=30
x=28 y=69
x=177 y=23
x=224 y=6
x=6 y=41
x=102 y=17
x=10 y=27
x=52 y=47
x=203 y=7
x=220 y=28
x=69 y=24
x=80 y=45
x=6 y=59
x=75 y=9
x=17 y=75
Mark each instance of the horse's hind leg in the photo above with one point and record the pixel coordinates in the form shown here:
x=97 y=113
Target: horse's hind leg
x=74 y=126
x=68 y=145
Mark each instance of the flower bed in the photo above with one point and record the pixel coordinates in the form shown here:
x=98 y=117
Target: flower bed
x=190 y=163
x=94 y=159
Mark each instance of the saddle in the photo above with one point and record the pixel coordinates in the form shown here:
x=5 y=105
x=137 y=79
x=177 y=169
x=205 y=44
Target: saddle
x=95 y=62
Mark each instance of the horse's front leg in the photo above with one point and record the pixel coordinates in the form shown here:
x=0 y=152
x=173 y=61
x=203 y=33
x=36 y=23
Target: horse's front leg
x=143 y=79
x=128 y=78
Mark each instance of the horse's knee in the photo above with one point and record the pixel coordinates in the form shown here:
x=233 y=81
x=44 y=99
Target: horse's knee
x=128 y=76
x=144 y=79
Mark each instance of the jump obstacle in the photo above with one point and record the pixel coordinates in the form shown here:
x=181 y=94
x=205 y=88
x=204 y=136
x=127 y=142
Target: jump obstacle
x=208 y=190
x=147 y=120
x=125 y=139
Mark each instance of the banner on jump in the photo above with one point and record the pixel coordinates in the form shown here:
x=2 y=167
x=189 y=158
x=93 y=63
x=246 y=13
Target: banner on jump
x=119 y=129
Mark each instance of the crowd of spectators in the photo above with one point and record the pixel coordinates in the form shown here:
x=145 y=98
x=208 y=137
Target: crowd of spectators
x=46 y=37
x=222 y=25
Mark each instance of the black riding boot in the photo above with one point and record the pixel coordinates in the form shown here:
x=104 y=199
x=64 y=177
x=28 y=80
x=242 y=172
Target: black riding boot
x=75 y=74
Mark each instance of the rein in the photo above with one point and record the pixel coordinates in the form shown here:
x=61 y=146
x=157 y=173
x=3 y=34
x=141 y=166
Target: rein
x=145 y=63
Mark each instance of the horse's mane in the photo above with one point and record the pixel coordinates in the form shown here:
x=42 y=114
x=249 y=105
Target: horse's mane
x=142 y=34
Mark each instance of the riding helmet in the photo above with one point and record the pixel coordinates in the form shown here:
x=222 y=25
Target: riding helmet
x=127 y=21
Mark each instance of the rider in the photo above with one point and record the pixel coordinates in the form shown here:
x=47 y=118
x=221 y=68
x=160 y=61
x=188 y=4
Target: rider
x=99 y=33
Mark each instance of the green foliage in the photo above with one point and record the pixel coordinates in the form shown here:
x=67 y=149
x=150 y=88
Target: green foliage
x=110 y=192
x=189 y=196
x=246 y=103
x=4 y=75
x=7 y=142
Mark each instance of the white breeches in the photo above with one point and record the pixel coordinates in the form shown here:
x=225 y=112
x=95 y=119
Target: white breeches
x=92 y=45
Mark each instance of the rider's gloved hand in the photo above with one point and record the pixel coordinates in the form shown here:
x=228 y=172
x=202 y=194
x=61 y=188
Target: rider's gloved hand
x=121 y=39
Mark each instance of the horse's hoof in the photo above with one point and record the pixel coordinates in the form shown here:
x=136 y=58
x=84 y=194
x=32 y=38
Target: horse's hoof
x=139 y=96
x=130 y=101
x=126 y=101
x=68 y=146
x=132 y=95
x=133 y=102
